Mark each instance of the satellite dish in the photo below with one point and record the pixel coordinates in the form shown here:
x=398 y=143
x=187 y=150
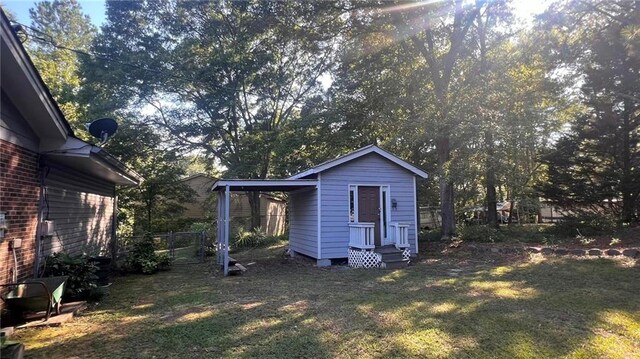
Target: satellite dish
x=102 y=128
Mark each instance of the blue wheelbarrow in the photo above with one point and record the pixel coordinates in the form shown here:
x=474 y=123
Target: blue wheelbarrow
x=36 y=295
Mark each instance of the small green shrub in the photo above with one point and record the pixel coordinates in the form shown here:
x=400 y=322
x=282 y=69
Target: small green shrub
x=432 y=235
x=255 y=238
x=586 y=225
x=528 y=233
x=82 y=283
x=142 y=258
x=480 y=233
x=210 y=250
x=202 y=227
x=164 y=261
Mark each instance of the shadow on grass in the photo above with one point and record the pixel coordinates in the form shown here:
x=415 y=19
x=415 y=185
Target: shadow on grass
x=287 y=308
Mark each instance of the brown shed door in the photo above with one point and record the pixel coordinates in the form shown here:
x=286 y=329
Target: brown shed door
x=369 y=208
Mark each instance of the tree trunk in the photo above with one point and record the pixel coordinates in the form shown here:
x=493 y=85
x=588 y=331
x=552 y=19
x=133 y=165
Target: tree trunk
x=492 y=212
x=512 y=205
x=446 y=190
x=149 y=217
x=539 y=219
x=628 y=210
x=254 y=196
x=254 y=204
x=490 y=172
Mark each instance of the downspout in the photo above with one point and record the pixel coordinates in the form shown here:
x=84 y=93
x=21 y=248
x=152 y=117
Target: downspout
x=38 y=240
x=114 y=230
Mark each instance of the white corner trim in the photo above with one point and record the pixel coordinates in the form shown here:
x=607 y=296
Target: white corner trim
x=227 y=201
x=416 y=208
x=319 y=210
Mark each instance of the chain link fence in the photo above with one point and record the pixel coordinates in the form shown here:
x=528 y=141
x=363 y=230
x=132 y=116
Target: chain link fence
x=188 y=247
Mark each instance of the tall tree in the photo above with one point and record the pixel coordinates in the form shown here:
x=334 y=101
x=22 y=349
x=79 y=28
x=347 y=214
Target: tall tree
x=438 y=31
x=154 y=205
x=57 y=25
x=416 y=67
x=599 y=159
x=224 y=77
x=491 y=32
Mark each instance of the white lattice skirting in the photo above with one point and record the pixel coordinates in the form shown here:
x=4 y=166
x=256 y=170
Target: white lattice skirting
x=359 y=258
x=406 y=254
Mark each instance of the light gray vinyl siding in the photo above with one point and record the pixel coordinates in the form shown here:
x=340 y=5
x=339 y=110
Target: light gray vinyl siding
x=303 y=222
x=371 y=169
x=13 y=127
x=81 y=207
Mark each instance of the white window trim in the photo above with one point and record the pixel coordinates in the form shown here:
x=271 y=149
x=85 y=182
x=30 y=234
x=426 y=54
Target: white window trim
x=355 y=203
x=387 y=211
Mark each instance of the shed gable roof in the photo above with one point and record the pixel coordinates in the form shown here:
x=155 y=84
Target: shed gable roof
x=357 y=154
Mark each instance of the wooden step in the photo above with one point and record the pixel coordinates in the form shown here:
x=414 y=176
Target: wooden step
x=236 y=269
x=396 y=264
x=232 y=262
x=386 y=257
x=387 y=249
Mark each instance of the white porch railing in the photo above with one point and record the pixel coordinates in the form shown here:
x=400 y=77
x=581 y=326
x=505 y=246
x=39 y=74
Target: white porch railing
x=361 y=235
x=399 y=234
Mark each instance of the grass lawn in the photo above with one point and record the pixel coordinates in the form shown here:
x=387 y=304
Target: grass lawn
x=486 y=307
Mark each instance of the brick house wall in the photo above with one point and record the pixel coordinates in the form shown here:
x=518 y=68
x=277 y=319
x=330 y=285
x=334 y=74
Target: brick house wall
x=19 y=199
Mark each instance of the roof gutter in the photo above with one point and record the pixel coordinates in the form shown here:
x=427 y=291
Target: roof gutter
x=114 y=162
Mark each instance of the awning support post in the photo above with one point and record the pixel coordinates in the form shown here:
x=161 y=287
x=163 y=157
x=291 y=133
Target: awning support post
x=227 y=193
x=220 y=230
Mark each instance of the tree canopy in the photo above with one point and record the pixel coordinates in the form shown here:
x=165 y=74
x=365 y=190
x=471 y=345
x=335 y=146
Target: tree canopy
x=597 y=163
x=495 y=111
x=58 y=26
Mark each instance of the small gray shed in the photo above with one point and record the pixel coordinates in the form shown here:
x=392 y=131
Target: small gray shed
x=361 y=206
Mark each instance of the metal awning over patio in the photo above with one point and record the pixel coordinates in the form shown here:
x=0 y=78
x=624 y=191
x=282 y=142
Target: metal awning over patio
x=267 y=185
x=224 y=189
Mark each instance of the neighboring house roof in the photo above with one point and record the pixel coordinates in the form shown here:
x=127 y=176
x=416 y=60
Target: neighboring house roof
x=23 y=84
x=357 y=154
x=196 y=175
